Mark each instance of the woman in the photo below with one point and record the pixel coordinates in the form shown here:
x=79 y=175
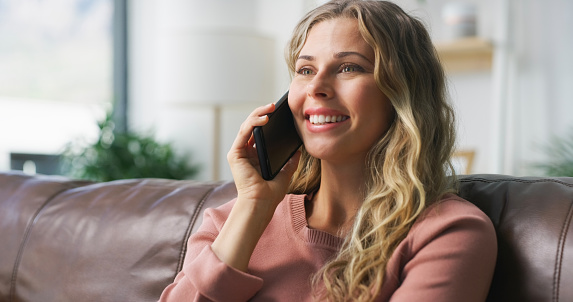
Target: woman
x=370 y=214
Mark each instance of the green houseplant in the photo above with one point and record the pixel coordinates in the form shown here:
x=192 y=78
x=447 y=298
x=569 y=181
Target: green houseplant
x=559 y=152
x=118 y=155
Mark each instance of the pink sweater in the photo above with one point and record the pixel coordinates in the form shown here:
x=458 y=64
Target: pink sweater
x=448 y=255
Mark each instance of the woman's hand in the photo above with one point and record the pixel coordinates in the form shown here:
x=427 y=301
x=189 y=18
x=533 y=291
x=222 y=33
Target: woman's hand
x=245 y=168
x=257 y=198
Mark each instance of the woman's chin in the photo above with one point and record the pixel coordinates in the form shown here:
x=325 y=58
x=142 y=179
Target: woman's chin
x=325 y=153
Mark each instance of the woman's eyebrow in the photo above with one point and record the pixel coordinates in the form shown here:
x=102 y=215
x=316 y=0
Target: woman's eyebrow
x=306 y=58
x=343 y=54
x=337 y=55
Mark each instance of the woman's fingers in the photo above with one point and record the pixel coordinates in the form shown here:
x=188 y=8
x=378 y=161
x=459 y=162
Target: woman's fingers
x=257 y=118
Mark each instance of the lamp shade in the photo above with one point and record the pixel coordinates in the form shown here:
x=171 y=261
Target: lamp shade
x=215 y=67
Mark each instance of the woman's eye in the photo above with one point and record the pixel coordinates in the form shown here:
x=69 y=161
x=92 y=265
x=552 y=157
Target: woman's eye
x=351 y=68
x=304 y=71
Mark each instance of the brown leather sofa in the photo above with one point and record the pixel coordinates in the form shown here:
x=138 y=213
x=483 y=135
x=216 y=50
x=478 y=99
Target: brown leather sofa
x=66 y=240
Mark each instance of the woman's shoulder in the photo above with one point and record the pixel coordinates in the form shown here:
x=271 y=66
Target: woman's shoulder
x=448 y=255
x=452 y=207
x=452 y=214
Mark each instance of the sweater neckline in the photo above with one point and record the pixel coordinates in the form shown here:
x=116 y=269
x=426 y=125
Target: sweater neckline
x=307 y=234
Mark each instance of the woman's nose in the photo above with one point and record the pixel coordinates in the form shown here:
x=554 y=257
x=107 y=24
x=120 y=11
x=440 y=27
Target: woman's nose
x=320 y=87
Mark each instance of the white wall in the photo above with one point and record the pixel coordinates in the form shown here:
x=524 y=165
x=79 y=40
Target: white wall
x=541 y=98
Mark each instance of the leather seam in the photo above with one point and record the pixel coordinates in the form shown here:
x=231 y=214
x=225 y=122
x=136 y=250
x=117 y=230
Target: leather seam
x=541 y=180
x=25 y=239
x=190 y=228
x=560 y=252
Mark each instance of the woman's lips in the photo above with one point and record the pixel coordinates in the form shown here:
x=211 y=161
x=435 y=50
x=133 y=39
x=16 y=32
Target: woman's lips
x=323 y=119
x=319 y=123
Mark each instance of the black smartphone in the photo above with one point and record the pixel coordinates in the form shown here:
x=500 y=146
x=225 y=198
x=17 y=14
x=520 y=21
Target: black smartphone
x=278 y=140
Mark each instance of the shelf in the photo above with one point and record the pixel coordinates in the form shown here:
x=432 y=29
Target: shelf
x=465 y=55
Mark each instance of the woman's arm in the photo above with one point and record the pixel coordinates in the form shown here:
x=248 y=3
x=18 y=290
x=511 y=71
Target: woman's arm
x=220 y=269
x=257 y=199
x=204 y=276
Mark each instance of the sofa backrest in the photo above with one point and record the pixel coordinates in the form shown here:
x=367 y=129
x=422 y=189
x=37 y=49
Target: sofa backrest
x=532 y=217
x=65 y=240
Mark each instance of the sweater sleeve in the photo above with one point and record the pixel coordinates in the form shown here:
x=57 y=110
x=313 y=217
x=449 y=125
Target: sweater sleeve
x=452 y=254
x=206 y=278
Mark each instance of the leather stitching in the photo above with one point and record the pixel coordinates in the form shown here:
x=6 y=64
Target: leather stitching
x=190 y=228
x=559 y=256
x=25 y=238
x=541 y=180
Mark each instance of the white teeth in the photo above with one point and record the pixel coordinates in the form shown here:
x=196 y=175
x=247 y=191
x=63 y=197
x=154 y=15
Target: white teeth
x=321 y=119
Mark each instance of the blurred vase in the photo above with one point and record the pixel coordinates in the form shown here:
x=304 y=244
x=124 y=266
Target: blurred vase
x=460 y=20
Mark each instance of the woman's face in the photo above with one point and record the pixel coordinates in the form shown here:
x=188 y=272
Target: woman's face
x=337 y=106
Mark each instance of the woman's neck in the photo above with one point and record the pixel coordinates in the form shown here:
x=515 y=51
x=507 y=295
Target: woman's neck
x=335 y=204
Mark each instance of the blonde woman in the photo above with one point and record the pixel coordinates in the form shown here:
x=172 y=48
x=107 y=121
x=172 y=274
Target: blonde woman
x=370 y=214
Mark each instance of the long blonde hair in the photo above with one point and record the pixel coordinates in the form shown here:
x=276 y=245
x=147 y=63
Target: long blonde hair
x=408 y=167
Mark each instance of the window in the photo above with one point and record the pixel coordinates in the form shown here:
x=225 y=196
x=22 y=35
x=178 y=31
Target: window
x=56 y=73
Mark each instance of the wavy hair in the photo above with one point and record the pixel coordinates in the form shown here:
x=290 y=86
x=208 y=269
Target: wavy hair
x=408 y=166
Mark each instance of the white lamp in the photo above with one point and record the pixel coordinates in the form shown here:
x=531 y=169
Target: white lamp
x=215 y=68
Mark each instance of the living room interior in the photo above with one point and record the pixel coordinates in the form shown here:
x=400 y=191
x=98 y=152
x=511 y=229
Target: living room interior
x=191 y=71
x=154 y=78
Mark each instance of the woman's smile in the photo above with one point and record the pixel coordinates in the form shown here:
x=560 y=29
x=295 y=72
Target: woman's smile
x=329 y=119
x=323 y=119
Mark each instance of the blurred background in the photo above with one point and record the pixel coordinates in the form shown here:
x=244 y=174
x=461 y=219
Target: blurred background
x=120 y=84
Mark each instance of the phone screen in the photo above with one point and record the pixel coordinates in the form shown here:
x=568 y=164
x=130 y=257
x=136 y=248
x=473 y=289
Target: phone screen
x=277 y=141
